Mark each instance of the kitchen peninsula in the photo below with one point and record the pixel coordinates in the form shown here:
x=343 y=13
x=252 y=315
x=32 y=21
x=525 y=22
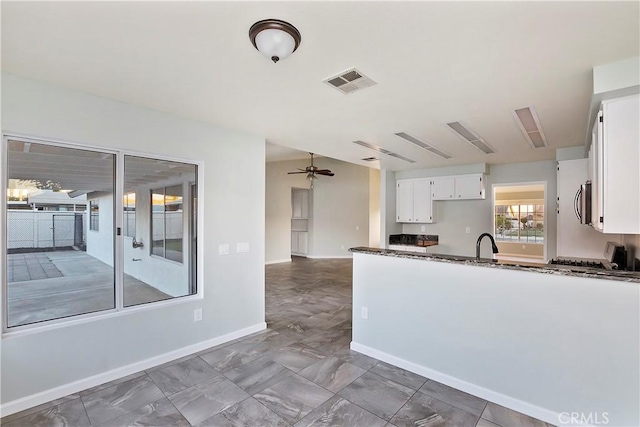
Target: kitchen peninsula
x=540 y=340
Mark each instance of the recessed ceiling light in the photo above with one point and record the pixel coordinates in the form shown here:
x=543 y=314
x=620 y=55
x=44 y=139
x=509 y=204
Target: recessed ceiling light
x=424 y=145
x=529 y=124
x=471 y=137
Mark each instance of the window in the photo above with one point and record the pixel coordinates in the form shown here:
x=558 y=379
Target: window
x=517 y=222
x=129 y=220
x=94 y=215
x=56 y=269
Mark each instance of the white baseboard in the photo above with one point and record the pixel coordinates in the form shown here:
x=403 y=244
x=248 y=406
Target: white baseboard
x=92 y=381
x=329 y=256
x=476 y=390
x=278 y=261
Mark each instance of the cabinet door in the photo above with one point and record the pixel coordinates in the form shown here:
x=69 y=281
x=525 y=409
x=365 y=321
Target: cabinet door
x=597 y=183
x=404 y=201
x=422 y=205
x=469 y=187
x=294 y=242
x=302 y=243
x=443 y=188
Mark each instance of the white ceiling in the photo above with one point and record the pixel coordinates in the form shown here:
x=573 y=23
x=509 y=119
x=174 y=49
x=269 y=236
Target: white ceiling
x=434 y=62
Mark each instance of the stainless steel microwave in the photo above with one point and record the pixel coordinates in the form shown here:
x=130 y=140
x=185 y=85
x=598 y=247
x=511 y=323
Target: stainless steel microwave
x=582 y=203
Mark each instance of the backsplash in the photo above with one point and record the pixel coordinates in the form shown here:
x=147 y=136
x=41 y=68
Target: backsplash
x=412 y=239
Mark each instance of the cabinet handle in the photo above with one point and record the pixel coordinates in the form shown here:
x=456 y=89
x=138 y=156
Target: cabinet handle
x=459 y=195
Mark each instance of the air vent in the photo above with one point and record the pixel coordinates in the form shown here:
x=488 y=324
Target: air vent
x=370 y=159
x=529 y=124
x=424 y=145
x=383 y=151
x=471 y=137
x=350 y=81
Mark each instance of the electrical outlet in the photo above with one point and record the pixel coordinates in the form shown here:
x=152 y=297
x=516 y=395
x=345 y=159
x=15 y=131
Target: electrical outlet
x=357 y=227
x=223 y=249
x=467 y=230
x=197 y=315
x=364 y=313
x=242 y=247
x=423 y=228
x=342 y=247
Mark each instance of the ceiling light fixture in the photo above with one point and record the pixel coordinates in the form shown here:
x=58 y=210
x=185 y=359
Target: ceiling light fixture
x=274 y=38
x=529 y=124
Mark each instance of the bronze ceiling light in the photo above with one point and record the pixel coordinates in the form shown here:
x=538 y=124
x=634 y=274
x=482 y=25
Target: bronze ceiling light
x=274 y=38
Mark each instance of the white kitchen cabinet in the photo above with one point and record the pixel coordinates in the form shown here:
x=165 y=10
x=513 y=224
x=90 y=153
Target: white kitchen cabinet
x=443 y=188
x=615 y=168
x=413 y=201
x=300 y=204
x=460 y=187
x=299 y=242
x=409 y=248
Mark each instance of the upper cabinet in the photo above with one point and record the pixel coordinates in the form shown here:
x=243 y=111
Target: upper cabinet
x=460 y=187
x=413 y=201
x=300 y=204
x=614 y=166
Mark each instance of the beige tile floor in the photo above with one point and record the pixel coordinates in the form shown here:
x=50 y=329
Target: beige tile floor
x=298 y=372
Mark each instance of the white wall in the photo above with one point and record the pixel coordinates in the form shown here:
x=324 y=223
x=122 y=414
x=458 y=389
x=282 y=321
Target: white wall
x=278 y=207
x=233 y=285
x=339 y=204
x=340 y=209
x=454 y=216
x=100 y=241
x=541 y=344
x=374 y=208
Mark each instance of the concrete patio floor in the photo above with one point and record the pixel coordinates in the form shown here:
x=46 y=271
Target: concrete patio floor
x=51 y=285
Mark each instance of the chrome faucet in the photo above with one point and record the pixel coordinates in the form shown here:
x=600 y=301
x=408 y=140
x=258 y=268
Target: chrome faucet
x=493 y=244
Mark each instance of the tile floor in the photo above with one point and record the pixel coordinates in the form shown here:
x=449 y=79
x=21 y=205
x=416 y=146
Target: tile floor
x=299 y=372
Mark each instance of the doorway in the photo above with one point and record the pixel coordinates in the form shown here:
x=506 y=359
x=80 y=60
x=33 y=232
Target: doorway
x=519 y=219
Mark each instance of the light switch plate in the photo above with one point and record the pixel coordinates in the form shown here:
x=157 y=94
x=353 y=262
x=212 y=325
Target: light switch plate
x=364 y=313
x=242 y=247
x=467 y=230
x=197 y=315
x=423 y=228
x=223 y=249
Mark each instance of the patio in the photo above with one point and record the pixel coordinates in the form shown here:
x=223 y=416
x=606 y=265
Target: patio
x=51 y=285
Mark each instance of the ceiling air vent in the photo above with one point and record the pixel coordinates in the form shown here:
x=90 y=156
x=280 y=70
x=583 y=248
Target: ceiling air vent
x=471 y=137
x=424 y=145
x=383 y=151
x=350 y=81
x=529 y=124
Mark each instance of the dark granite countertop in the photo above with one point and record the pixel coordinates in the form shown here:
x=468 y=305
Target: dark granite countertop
x=593 y=273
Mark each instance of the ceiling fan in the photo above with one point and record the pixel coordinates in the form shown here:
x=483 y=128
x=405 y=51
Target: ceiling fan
x=312 y=171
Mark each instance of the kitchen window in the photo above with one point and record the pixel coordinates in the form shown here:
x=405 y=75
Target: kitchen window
x=520 y=222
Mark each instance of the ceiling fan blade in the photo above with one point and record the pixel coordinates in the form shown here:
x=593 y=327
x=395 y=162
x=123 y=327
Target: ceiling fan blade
x=323 y=170
x=303 y=170
x=325 y=173
x=290 y=173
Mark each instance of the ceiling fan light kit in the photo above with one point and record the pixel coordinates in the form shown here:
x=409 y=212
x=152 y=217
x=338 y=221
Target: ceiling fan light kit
x=312 y=171
x=274 y=38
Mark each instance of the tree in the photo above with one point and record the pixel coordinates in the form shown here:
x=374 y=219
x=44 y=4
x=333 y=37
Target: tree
x=524 y=220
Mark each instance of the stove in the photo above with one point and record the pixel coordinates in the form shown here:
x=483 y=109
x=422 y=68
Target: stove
x=569 y=262
x=614 y=258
